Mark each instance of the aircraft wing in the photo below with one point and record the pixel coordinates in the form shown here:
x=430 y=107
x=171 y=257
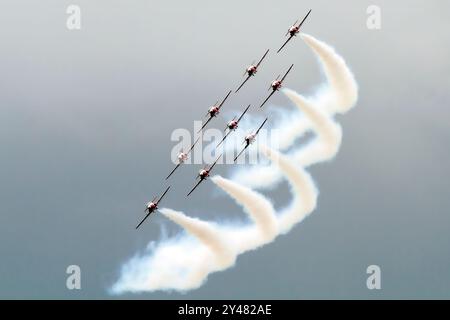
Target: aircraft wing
x=210 y=168
x=192 y=147
x=304 y=18
x=223 y=101
x=176 y=167
x=241 y=152
x=287 y=72
x=267 y=98
x=264 y=122
x=162 y=196
x=239 y=119
x=223 y=139
x=265 y=54
x=284 y=44
x=142 y=221
x=248 y=77
x=196 y=185
x=204 y=125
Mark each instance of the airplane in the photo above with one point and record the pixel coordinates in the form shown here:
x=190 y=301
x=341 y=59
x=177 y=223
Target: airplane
x=214 y=111
x=182 y=157
x=152 y=206
x=251 y=70
x=249 y=139
x=293 y=30
x=232 y=125
x=276 y=85
x=203 y=174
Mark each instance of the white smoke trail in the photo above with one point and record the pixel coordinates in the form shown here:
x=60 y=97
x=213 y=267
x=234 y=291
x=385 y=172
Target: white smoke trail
x=184 y=262
x=303 y=190
x=341 y=92
x=258 y=207
x=322 y=148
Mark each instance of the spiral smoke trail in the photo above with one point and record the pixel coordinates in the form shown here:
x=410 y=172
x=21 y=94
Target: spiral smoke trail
x=184 y=262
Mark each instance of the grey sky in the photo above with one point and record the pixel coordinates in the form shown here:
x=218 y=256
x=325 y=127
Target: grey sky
x=86 y=118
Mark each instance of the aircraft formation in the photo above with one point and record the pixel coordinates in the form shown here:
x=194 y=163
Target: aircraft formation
x=232 y=125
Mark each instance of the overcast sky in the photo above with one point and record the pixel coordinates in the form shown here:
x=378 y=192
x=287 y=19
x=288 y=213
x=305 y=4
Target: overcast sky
x=86 y=118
